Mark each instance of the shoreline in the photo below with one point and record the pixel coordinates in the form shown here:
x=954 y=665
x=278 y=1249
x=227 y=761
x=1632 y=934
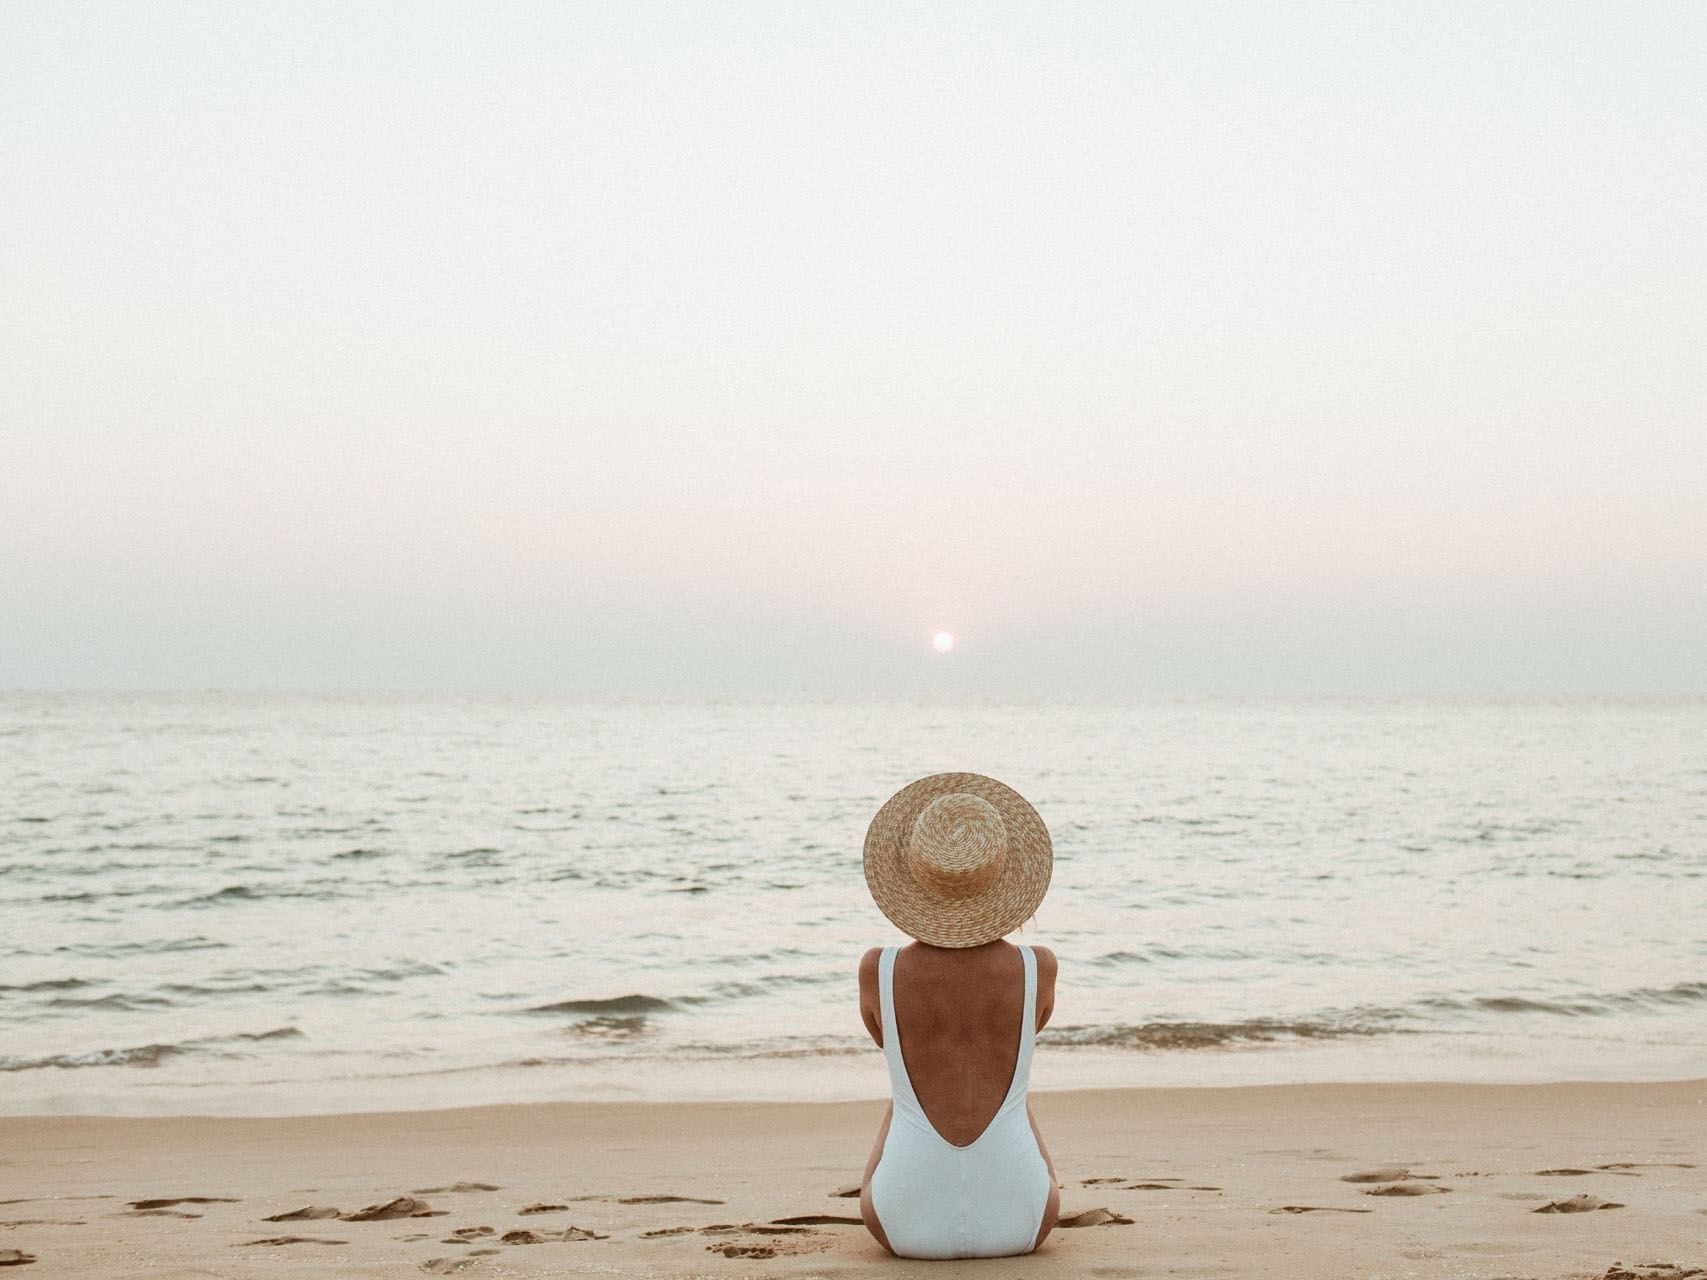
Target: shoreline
x=1215 y=1180
x=864 y=1100
x=1487 y=1058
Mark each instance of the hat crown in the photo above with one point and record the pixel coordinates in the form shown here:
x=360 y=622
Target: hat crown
x=958 y=845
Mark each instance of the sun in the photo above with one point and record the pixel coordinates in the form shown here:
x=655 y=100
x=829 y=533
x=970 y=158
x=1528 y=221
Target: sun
x=942 y=641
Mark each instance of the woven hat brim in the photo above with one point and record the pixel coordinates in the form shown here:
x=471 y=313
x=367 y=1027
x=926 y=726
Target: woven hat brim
x=992 y=913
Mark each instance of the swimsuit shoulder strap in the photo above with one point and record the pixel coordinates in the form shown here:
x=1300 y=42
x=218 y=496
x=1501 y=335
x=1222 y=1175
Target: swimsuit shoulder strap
x=1027 y=1025
x=901 y=1086
x=1030 y=992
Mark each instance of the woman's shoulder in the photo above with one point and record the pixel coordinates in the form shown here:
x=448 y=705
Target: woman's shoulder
x=1047 y=965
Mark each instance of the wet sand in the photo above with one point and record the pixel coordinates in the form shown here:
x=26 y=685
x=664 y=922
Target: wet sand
x=1365 y=1180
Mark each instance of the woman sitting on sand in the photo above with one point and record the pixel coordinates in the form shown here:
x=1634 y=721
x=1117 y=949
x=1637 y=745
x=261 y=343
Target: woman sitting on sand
x=956 y=861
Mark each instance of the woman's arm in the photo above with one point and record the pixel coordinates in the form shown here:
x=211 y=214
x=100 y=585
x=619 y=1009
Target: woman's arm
x=870 y=1011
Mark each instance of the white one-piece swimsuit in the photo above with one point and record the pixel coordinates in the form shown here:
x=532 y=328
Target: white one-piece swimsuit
x=937 y=1200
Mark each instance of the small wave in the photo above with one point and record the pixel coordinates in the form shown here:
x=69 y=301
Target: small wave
x=1677 y=993
x=108 y=949
x=624 y=1026
x=781 y=1047
x=277 y=1033
x=401 y=970
x=363 y=981
x=1115 y=959
x=48 y=984
x=1111 y=958
x=1588 y=1004
x=117 y=1001
x=253 y=893
x=145 y=1055
x=1202 y=1035
x=614 y=1005
x=1523 y=1004
x=98 y=895
x=199 y=989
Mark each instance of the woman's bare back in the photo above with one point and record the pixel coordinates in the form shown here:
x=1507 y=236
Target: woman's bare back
x=958 y=1012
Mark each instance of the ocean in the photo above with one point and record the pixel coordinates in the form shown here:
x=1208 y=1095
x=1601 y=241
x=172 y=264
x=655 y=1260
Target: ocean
x=269 y=904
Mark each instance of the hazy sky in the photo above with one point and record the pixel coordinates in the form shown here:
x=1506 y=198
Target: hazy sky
x=649 y=347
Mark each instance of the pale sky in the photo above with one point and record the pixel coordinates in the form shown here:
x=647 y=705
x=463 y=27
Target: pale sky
x=737 y=348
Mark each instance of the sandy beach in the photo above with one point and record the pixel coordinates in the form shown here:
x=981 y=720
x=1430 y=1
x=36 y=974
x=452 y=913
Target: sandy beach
x=1365 y=1180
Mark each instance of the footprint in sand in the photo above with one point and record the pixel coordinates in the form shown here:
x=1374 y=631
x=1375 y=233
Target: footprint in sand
x=543 y=1208
x=1627 y=1164
x=1174 y=1185
x=1653 y=1271
x=674 y=1199
x=1621 y=1170
x=277 y=1240
x=449 y=1266
x=462 y=1235
x=843 y=1193
x=817 y=1220
x=549 y=1237
x=401 y=1207
x=733 y=1250
x=1317 y=1208
x=1407 y=1189
x=1391 y=1173
x=1584 y=1203
x=455 y=1187
x=164 y=1208
x=15 y=1258
x=308 y=1213
x=785 y=1240
x=167 y=1204
x=1098 y=1217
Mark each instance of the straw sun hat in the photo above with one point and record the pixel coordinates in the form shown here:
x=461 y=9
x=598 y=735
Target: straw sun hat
x=957 y=859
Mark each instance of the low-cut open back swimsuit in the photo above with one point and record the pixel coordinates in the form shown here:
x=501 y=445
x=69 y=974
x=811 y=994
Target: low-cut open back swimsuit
x=937 y=1200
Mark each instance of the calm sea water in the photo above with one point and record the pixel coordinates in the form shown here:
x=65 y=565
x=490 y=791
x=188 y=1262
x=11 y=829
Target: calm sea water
x=290 y=903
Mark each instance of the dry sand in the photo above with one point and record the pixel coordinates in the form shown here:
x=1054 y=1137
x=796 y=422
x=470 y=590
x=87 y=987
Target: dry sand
x=1360 y=1180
